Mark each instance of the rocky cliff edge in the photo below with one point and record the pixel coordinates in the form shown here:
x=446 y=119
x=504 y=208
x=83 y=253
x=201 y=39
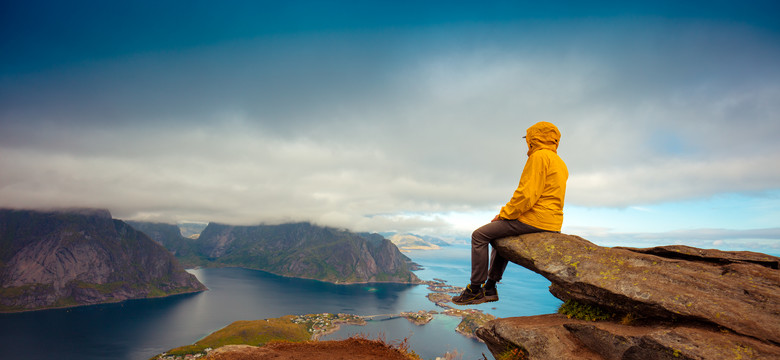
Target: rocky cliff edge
x=670 y=302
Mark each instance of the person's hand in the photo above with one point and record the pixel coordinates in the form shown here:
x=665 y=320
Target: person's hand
x=495 y=218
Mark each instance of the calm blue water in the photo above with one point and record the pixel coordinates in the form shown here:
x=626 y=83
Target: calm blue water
x=139 y=329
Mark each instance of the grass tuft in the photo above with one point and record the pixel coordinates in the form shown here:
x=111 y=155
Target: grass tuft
x=512 y=353
x=577 y=310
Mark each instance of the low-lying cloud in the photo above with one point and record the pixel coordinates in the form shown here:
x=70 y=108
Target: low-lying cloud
x=382 y=131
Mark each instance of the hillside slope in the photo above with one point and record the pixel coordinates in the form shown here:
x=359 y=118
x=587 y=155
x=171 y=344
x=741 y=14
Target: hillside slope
x=306 y=251
x=300 y=250
x=79 y=257
x=171 y=238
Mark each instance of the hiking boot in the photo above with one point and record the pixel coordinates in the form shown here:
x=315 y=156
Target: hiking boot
x=470 y=296
x=490 y=294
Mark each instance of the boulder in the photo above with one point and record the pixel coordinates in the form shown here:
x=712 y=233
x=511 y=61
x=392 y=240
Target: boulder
x=682 y=301
x=555 y=336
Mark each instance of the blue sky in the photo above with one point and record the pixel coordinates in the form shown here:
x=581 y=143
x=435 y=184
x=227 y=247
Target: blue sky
x=397 y=116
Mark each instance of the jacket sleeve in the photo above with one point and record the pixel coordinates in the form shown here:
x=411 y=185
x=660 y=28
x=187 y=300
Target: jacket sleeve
x=529 y=190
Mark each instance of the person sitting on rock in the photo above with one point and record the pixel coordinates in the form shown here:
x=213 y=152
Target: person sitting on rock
x=536 y=206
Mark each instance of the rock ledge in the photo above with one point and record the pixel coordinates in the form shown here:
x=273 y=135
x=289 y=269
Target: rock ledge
x=666 y=302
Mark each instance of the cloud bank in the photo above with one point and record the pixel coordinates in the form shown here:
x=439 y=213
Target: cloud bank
x=382 y=129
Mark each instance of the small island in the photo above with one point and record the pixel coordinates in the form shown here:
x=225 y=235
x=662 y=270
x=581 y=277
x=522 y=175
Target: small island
x=442 y=293
x=472 y=319
x=421 y=317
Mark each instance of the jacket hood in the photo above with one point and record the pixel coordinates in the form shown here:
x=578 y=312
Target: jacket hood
x=542 y=135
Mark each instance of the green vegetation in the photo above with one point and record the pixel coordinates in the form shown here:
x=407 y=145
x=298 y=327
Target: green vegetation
x=107 y=288
x=12 y=293
x=256 y=333
x=298 y=250
x=155 y=292
x=295 y=329
x=512 y=353
x=65 y=302
x=577 y=310
x=128 y=265
x=16 y=291
x=471 y=321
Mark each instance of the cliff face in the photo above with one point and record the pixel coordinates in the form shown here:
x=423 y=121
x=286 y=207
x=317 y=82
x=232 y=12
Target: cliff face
x=672 y=302
x=170 y=237
x=81 y=257
x=167 y=235
x=306 y=251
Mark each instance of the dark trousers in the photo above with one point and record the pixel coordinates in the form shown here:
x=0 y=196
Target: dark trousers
x=485 y=235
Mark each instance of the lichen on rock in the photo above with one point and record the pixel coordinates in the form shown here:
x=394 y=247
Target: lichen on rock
x=673 y=301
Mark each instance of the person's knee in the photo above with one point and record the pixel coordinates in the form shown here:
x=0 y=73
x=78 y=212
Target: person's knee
x=479 y=238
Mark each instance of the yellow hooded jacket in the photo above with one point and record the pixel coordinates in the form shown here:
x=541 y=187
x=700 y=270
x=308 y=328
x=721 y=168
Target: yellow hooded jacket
x=538 y=200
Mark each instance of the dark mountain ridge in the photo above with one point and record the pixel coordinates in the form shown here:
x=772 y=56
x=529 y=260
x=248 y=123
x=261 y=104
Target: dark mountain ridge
x=299 y=250
x=72 y=257
x=171 y=238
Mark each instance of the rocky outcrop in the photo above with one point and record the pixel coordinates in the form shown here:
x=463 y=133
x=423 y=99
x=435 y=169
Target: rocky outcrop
x=79 y=257
x=666 y=302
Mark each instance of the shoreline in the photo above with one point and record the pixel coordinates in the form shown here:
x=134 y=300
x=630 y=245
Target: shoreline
x=324 y=324
x=63 y=307
x=420 y=281
x=317 y=336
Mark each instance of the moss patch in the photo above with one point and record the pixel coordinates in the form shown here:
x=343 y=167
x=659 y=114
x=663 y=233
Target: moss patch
x=577 y=310
x=512 y=353
x=105 y=289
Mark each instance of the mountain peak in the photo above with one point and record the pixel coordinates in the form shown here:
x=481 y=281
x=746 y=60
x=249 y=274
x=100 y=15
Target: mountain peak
x=70 y=257
x=300 y=249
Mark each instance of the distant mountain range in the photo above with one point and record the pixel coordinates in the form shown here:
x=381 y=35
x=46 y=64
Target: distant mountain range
x=299 y=250
x=76 y=257
x=411 y=242
x=191 y=230
x=407 y=242
x=72 y=257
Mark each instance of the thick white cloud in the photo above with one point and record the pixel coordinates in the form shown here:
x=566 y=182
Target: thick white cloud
x=381 y=131
x=763 y=240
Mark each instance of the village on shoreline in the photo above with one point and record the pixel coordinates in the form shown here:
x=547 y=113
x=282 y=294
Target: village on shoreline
x=324 y=324
x=319 y=325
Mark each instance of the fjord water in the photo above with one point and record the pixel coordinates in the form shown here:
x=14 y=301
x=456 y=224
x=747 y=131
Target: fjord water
x=139 y=329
